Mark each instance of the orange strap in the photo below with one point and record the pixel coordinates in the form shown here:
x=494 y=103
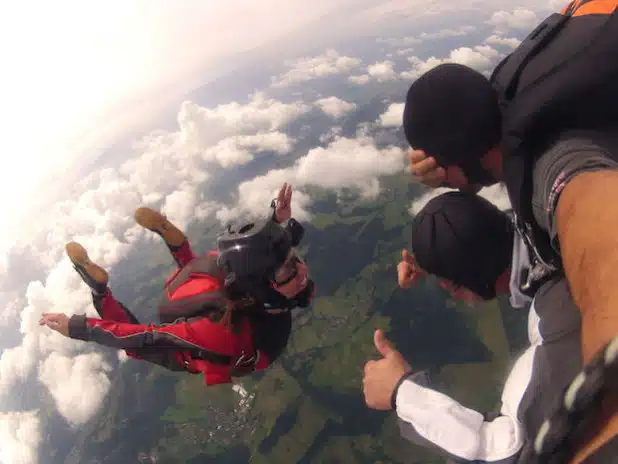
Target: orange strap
x=586 y=7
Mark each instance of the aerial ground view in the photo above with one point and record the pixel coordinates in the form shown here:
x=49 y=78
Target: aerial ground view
x=202 y=113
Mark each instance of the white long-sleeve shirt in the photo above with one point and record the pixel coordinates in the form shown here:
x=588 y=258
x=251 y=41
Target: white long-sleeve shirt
x=550 y=361
x=463 y=432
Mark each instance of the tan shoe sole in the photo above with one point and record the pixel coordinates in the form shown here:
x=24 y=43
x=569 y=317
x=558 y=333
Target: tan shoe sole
x=79 y=256
x=156 y=222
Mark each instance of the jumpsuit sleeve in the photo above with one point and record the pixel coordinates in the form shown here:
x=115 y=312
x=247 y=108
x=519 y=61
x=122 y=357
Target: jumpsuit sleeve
x=436 y=421
x=131 y=336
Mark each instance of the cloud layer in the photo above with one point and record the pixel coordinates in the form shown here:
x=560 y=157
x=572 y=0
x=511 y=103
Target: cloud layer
x=169 y=170
x=173 y=170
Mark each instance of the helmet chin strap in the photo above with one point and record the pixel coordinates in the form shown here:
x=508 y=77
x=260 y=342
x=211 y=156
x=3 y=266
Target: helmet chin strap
x=300 y=300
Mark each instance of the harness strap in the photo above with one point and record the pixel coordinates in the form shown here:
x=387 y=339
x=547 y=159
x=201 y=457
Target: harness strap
x=210 y=356
x=517 y=61
x=245 y=362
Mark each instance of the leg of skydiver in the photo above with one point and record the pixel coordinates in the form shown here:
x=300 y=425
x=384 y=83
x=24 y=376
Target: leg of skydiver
x=111 y=309
x=174 y=238
x=96 y=278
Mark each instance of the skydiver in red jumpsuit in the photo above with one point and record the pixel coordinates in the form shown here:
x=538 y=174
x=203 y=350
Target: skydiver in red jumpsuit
x=224 y=314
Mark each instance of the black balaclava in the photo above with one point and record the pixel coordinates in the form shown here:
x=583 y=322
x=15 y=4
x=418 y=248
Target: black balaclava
x=452 y=114
x=463 y=238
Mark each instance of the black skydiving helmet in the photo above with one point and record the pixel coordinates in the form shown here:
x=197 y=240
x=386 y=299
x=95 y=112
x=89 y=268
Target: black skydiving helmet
x=251 y=253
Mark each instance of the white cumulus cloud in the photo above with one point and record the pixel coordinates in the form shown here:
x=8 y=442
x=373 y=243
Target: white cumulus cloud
x=359 y=79
x=393 y=115
x=164 y=169
x=505 y=41
x=307 y=68
x=20 y=437
x=240 y=149
x=519 y=19
x=380 y=71
x=78 y=385
x=446 y=33
x=200 y=127
x=345 y=163
x=334 y=106
x=483 y=58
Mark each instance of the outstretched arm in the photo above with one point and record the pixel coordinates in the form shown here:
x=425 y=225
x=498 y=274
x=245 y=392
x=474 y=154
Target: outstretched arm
x=587 y=230
x=122 y=335
x=434 y=420
x=590 y=254
x=576 y=188
x=575 y=193
x=131 y=336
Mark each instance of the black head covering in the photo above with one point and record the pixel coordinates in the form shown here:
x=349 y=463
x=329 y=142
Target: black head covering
x=250 y=254
x=452 y=113
x=463 y=238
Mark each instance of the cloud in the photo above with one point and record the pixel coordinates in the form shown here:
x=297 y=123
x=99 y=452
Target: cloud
x=169 y=171
x=17 y=363
x=334 y=106
x=172 y=170
x=331 y=135
x=20 y=435
x=164 y=169
x=123 y=83
x=399 y=41
x=393 y=115
x=381 y=71
x=200 y=127
x=496 y=194
x=239 y=149
x=483 y=58
x=405 y=51
x=505 y=41
x=406 y=41
x=348 y=162
x=354 y=163
x=78 y=385
x=519 y=19
x=359 y=79
x=11 y=303
x=447 y=33
x=307 y=68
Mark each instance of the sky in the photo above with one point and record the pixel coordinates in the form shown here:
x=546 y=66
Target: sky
x=87 y=95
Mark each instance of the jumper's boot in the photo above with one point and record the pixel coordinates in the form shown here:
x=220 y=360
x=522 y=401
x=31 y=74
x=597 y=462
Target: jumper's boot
x=158 y=223
x=92 y=274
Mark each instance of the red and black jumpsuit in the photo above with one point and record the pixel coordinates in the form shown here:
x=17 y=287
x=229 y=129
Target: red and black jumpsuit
x=172 y=345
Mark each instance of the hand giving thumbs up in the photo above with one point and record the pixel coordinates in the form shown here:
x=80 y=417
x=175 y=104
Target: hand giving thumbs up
x=381 y=377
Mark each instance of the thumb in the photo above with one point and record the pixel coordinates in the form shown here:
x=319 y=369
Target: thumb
x=383 y=345
x=407 y=257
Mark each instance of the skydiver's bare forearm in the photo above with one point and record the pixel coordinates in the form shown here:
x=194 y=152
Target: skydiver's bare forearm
x=587 y=220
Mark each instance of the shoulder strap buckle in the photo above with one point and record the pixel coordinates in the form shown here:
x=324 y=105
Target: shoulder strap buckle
x=245 y=364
